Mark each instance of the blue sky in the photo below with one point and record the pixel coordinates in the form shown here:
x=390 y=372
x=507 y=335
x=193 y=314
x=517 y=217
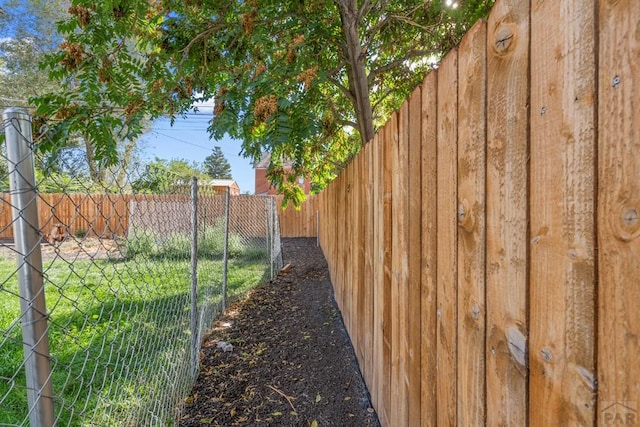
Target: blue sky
x=188 y=139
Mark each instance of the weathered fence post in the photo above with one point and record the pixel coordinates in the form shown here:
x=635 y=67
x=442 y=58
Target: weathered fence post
x=26 y=233
x=194 y=274
x=276 y=252
x=225 y=267
x=269 y=233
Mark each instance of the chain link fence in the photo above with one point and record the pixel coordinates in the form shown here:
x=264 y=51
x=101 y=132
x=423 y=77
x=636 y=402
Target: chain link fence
x=109 y=281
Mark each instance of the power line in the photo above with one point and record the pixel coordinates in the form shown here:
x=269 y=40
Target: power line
x=190 y=143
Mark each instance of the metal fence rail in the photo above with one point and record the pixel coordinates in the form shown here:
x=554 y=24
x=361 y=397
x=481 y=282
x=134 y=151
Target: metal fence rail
x=104 y=302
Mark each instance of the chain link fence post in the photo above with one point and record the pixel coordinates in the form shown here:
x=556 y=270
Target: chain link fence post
x=225 y=265
x=194 y=275
x=275 y=250
x=31 y=286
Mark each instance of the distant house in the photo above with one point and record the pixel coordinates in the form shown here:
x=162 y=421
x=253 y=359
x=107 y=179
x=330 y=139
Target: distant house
x=263 y=186
x=220 y=186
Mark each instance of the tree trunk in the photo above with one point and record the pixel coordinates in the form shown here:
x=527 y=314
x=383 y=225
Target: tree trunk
x=356 y=70
x=95 y=171
x=121 y=180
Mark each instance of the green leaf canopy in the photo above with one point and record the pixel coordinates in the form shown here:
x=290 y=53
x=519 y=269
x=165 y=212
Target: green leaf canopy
x=308 y=81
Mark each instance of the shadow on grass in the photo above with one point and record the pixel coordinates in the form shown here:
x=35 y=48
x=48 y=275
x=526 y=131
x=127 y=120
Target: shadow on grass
x=118 y=363
x=121 y=353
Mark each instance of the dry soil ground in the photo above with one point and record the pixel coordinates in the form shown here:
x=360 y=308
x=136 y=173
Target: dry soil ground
x=291 y=364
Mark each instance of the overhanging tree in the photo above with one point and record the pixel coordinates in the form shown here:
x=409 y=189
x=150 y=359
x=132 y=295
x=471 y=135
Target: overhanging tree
x=29 y=34
x=308 y=81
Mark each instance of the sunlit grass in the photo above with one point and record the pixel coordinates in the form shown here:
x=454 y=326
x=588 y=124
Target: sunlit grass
x=119 y=333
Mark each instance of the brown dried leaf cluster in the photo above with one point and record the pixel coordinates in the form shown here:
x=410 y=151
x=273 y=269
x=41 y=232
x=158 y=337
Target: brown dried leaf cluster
x=260 y=68
x=265 y=107
x=308 y=76
x=157 y=86
x=219 y=102
x=82 y=13
x=104 y=74
x=291 y=50
x=291 y=56
x=297 y=40
x=66 y=111
x=74 y=55
x=133 y=107
x=248 y=21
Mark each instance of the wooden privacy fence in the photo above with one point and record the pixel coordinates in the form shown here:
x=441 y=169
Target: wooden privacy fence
x=485 y=245
x=104 y=215
x=110 y=215
x=300 y=222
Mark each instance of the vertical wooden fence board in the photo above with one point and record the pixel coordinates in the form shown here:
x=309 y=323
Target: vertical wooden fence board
x=619 y=210
x=369 y=262
x=348 y=293
x=506 y=224
x=345 y=248
x=506 y=205
x=414 y=252
x=6 y=227
x=399 y=273
x=312 y=225
x=350 y=287
x=390 y=131
x=338 y=248
x=378 y=274
x=429 y=318
x=562 y=184
x=358 y=260
x=471 y=225
x=447 y=224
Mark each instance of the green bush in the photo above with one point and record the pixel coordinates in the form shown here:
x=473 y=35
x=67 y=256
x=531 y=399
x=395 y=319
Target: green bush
x=178 y=246
x=140 y=243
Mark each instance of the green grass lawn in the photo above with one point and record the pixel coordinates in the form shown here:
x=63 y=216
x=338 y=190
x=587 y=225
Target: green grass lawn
x=119 y=334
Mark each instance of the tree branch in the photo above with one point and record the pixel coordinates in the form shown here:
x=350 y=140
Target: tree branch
x=210 y=29
x=344 y=122
x=397 y=62
x=342 y=88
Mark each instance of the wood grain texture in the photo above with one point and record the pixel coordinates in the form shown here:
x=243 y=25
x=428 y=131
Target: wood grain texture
x=619 y=206
x=471 y=225
x=447 y=286
x=561 y=179
x=355 y=227
x=368 y=239
x=298 y=222
x=388 y=150
x=400 y=270
x=375 y=387
x=414 y=255
x=506 y=201
x=429 y=319
x=360 y=239
x=562 y=245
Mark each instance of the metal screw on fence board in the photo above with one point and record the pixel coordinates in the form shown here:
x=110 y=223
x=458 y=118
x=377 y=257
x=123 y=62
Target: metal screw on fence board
x=31 y=287
x=616 y=81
